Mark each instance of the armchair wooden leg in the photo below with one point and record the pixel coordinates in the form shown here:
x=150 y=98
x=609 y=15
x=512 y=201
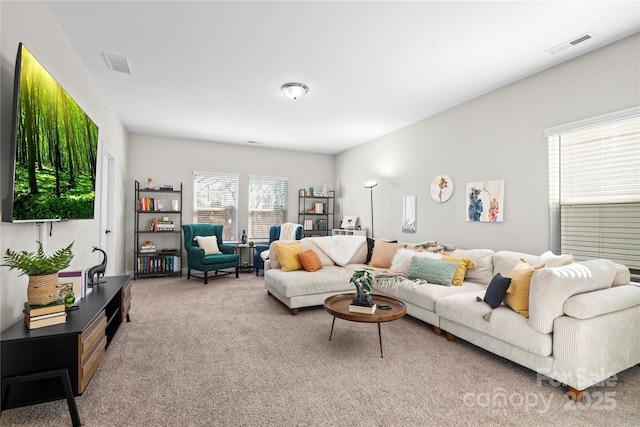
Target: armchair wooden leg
x=206 y=279
x=237 y=271
x=188 y=273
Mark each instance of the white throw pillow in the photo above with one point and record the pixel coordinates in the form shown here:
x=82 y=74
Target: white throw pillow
x=403 y=257
x=209 y=244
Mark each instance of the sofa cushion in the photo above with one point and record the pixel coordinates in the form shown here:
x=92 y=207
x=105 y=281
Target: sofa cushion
x=463 y=265
x=288 y=256
x=550 y=288
x=209 y=244
x=603 y=301
x=483 y=258
x=504 y=324
x=383 y=253
x=371 y=243
x=623 y=275
x=517 y=297
x=497 y=290
x=424 y=295
x=432 y=270
x=299 y=283
x=310 y=260
x=504 y=261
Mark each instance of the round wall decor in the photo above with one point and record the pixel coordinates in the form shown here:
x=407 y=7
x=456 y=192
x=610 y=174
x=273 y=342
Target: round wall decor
x=441 y=188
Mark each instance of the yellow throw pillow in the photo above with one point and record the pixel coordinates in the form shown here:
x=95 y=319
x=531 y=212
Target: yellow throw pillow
x=463 y=265
x=310 y=260
x=518 y=292
x=288 y=256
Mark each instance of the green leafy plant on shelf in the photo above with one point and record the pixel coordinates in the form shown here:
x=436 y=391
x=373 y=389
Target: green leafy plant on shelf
x=38 y=263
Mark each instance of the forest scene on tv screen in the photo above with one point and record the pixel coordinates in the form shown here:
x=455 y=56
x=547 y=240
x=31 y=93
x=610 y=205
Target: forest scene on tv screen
x=56 y=148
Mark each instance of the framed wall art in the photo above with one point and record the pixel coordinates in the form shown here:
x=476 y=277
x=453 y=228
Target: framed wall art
x=409 y=214
x=485 y=201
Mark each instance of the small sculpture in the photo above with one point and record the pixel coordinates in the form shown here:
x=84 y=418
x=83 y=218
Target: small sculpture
x=362 y=299
x=98 y=269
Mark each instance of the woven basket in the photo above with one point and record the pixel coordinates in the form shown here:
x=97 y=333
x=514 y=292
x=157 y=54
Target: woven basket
x=42 y=289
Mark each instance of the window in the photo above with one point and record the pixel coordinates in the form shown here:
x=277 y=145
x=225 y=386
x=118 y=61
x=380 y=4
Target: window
x=215 y=201
x=267 y=204
x=594 y=189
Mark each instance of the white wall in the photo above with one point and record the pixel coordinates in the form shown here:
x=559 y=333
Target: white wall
x=172 y=161
x=32 y=23
x=495 y=136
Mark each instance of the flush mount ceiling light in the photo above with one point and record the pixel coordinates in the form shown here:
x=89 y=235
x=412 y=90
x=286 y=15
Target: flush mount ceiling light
x=294 y=90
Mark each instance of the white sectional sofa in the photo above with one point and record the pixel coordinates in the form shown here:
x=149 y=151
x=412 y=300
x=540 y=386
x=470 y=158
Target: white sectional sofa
x=584 y=317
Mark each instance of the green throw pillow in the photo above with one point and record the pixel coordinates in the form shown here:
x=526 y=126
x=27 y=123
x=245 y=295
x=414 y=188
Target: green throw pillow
x=432 y=270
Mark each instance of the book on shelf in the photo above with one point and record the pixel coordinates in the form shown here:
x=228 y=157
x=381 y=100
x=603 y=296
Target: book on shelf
x=45 y=320
x=42 y=310
x=160 y=225
x=166 y=187
x=361 y=309
x=308 y=224
x=158 y=264
x=149 y=204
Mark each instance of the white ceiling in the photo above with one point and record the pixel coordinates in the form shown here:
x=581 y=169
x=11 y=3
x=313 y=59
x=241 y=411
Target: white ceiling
x=212 y=70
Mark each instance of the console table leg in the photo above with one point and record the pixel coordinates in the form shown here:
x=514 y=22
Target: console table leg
x=63 y=374
x=380 y=338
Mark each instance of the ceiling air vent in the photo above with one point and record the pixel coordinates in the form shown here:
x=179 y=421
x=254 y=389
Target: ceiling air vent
x=117 y=63
x=571 y=43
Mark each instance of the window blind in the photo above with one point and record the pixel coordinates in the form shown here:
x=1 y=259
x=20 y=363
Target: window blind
x=594 y=191
x=215 y=201
x=267 y=204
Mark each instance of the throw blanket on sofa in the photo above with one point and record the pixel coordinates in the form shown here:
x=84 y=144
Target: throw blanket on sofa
x=339 y=248
x=395 y=280
x=288 y=231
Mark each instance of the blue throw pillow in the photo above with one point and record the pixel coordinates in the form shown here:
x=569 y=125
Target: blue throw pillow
x=497 y=290
x=432 y=270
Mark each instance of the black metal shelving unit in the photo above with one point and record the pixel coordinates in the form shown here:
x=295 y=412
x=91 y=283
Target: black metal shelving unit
x=166 y=260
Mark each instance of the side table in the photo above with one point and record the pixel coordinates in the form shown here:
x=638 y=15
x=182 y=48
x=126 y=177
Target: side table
x=245 y=266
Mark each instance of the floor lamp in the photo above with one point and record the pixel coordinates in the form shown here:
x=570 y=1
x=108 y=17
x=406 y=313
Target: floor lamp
x=370 y=185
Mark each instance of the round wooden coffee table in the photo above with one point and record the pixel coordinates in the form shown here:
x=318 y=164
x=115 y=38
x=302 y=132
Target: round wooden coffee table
x=338 y=306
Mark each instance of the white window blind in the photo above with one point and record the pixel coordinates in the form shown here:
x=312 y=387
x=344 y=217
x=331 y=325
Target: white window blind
x=215 y=201
x=267 y=204
x=594 y=191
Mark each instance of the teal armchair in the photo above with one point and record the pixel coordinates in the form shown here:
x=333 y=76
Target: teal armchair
x=196 y=258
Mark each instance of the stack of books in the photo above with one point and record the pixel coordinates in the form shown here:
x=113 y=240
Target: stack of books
x=166 y=187
x=39 y=316
x=147 y=248
x=157 y=225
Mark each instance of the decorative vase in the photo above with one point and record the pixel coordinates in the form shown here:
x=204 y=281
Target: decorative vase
x=42 y=289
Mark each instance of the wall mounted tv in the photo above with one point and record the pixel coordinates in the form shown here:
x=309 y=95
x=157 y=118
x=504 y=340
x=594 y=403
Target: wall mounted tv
x=53 y=151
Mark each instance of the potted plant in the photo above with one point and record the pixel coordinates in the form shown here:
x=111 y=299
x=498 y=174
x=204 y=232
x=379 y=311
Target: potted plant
x=42 y=271
x=363 y=279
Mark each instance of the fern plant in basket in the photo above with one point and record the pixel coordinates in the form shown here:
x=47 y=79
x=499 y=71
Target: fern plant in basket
x=42 y=270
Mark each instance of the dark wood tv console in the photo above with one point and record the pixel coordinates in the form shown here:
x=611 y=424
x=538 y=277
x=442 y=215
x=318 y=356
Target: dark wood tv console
x=77 y=346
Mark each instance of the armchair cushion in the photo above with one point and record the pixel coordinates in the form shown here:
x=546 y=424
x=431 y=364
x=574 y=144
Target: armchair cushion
x=209 y=244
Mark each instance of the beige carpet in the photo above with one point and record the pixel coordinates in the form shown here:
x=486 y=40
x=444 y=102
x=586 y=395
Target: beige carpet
x=227 y=354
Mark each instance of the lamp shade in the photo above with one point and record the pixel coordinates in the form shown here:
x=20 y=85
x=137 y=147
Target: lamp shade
x=295 y=90
x=370 y=184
